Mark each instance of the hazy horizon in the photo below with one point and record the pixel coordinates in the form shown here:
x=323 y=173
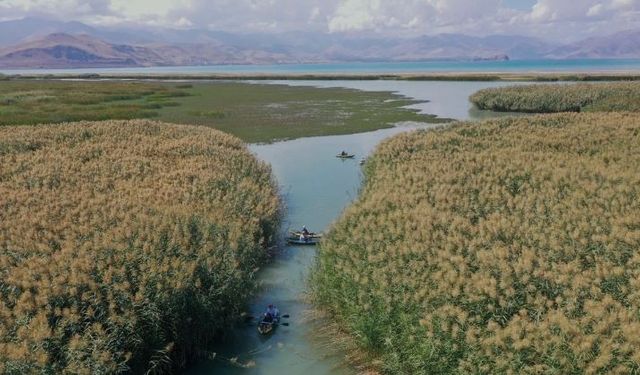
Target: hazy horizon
x=559 y=21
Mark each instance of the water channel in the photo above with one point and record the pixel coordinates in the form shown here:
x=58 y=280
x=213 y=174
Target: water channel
x=316 y=187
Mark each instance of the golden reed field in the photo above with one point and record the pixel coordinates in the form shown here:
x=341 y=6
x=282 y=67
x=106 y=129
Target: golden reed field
x=512 y=246
x=125 y=245
x=551 y=98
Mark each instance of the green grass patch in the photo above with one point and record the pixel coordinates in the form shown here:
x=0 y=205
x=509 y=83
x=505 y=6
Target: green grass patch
x=253 y=112
x=209 y=114
x=36 y=102
x=263 y=112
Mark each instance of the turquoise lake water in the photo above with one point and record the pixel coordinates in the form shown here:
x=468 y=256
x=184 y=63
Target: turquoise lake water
x=516 y=66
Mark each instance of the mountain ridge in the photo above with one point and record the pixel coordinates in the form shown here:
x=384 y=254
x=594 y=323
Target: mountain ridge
x=39 y=43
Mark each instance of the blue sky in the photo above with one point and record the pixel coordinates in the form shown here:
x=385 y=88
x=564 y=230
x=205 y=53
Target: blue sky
x=559 y=20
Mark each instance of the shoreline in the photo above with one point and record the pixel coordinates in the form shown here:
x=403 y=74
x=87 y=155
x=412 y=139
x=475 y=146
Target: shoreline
x=529 y=76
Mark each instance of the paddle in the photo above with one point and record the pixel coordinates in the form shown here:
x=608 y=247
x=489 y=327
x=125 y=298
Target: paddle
x=284 y=317
x=278 y=324
x=251 y=317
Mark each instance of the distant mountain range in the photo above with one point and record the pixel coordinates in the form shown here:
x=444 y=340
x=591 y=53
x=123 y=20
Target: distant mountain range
x=40 y=43
x=624 y=44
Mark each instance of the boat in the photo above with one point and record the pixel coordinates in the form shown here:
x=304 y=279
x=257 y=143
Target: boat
x=265 y=328
x=362 y=161
x=307 y=241
x=346 y=156
x=297 y=234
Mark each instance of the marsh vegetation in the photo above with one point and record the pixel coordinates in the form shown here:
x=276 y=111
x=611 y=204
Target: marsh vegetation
x=265 y=112
x=125 y=245
x=253 y=112
x=584 y=97
x=43 y=102
x=508 y=246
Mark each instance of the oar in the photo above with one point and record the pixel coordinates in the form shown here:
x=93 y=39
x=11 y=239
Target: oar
x=284 y=317
x=251 y=317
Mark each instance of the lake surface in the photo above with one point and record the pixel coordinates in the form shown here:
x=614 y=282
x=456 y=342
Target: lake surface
x=515 y=66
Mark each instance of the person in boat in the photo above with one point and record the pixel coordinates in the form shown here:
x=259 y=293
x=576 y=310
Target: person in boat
x=304 y=234
x=343 y=153
x=303 y=237
x=271 y=314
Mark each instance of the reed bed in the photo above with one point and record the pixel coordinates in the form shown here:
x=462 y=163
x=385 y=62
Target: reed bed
x=510 y=246
x=125 y=246
x=546 y=98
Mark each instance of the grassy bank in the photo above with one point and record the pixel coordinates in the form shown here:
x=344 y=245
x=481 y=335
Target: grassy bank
x=508 y=246
x=253 y=112
x=596 y=97
x=125 y=245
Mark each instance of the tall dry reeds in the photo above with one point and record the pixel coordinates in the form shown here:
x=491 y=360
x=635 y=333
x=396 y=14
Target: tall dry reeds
x=125 y=245
x=550 y=98
x=510 y=246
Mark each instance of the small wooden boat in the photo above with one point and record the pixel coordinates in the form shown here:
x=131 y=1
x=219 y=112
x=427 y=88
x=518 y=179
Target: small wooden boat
x=298 y=233
x=265 y=328
x=346 y=156
x=303 y=241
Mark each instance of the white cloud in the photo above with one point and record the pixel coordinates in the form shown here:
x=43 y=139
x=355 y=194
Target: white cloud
x=622 y=4
x=550 y=19
x=256 y=15
x=568 y=20
x=595 y=10
x=540 y=12
x=412 y=16
x=315 y=13
x=59 y=8
x=358 y=15
x=140 y=8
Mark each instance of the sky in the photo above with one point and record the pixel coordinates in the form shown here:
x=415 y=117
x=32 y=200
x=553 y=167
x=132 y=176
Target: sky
x=559 y=20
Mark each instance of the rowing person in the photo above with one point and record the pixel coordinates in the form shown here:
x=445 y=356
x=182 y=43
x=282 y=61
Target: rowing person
x=271 y=314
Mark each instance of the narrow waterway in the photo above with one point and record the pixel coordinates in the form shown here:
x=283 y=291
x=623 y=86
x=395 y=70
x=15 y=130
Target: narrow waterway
x=316 y=187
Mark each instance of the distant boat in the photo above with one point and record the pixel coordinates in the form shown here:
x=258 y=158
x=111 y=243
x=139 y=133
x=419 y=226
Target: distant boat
x=362 y=161
x=345 y=156
x=298 y=233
